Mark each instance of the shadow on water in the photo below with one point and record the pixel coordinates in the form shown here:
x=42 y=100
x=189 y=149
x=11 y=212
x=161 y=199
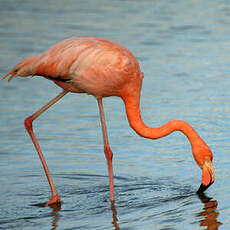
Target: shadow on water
x=209 y=213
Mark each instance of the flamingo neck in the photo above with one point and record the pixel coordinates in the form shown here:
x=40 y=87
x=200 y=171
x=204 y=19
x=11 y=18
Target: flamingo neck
x=134 y=117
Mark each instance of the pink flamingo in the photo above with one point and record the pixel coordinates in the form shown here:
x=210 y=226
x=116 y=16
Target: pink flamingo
x=103 y=68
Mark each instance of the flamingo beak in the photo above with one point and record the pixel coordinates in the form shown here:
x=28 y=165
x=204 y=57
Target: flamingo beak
x=208 y=176
x=12 y=73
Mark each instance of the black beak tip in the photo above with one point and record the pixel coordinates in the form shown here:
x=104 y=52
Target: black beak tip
x=202 y=188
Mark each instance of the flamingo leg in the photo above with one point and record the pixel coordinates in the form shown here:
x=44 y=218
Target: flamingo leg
x=28 y=125
x=108 y=152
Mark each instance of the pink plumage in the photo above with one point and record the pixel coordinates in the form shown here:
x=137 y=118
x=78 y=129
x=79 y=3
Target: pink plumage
x=103 y=68
x=90 y=65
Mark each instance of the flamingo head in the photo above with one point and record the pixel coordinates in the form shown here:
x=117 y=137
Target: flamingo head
x=208 y=175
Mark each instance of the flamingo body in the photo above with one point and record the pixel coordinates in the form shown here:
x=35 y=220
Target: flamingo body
x=103 y=68
x=87 y=65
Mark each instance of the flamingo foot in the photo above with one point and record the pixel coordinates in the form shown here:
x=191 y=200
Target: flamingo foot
x=55 y=199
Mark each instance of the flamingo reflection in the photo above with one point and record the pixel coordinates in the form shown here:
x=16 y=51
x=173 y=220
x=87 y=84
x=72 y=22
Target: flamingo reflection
x=56 y=216
x=114 y=211
x=209 y=213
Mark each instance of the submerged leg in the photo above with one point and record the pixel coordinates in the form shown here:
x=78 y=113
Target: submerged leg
x=107 y=150
x=28 y=125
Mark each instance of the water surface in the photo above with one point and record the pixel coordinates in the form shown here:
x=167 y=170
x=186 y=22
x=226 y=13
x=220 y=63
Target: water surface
x=183 y=48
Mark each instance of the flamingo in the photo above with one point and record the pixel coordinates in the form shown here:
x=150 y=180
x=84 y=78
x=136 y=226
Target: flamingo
x=103 y=68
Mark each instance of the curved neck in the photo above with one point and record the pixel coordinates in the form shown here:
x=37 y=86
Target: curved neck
x=132 y=106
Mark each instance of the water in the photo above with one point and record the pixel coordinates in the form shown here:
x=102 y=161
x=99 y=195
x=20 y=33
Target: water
x=183 y=48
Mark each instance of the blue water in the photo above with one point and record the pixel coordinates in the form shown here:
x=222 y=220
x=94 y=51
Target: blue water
x=184 y=51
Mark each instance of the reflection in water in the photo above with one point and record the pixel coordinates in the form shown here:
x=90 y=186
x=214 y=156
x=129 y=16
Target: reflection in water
x=114 y=211
x=209 y=213
x=56 y=217
x=55 y=209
